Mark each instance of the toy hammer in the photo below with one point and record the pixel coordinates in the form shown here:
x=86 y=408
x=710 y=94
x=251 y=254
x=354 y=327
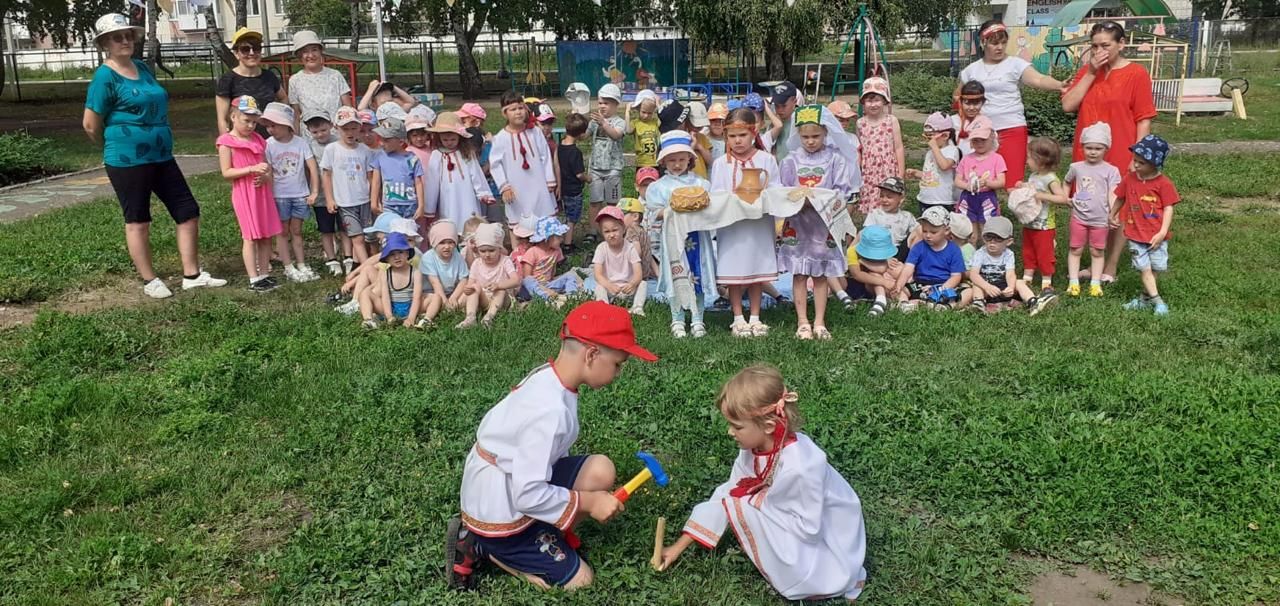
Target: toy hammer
x=652 y=469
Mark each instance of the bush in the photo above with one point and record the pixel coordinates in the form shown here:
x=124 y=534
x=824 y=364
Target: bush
x=928 y=93
x=1045 y=117
x=23 y=157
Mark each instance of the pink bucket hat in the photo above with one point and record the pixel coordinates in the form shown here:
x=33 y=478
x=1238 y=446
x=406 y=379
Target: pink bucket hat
x=980 y=128
x=841 y=110
x=877 y=85
x=441 y=231
x=472 y=110
x=938 y=122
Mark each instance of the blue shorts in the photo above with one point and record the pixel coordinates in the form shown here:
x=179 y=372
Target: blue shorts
x=979 y=207
x=540 y=549
x=404 y=210
x=1145 y=257
x=293 y=208
x=572 y=208
x=400 y=309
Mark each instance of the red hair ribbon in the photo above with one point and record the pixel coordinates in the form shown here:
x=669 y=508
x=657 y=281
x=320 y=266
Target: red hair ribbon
x=781 y=437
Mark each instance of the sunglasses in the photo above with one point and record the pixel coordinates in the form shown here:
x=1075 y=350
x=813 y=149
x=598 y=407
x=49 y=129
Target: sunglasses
x=121 y=37
x=245 y=49
x=992 y=238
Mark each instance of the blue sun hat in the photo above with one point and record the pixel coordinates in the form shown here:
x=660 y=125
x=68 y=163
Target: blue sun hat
x=753 y=101
x=546 y=228
x=396 y=242
x=876 y=244
x=383 y=223
x=1153 y=149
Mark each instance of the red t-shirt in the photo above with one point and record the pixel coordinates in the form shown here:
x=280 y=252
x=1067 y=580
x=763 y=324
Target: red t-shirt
x=1121 y=98
x=1142 y=205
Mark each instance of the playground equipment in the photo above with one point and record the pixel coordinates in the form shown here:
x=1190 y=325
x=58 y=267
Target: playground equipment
x=866 y=50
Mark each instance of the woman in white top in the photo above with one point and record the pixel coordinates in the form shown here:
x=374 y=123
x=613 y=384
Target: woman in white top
x=1001 y=75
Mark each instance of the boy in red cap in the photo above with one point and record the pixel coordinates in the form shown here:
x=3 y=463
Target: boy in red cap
x=522 y=492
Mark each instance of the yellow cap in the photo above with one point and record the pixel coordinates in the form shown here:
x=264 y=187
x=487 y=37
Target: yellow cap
x=631 y=205
x=243 y=33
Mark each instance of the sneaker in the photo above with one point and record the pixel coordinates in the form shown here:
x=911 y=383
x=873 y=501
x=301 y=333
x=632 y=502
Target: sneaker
x=877 y=309
x=1095 y=290
x=424 y=324
x=460 y=557
x=266 y=284
x=907 y=307
x=677 y=330
x=1162 y=309
x=292 y=274
x=758 y=329
x=1042 y=302
x=848 y=303
x=308 y=274
x=741 y=329
x=369 y=325
x=720 y=304
x=334 y=267
x=1138 y=304
x=1073 y=290
x=348 y=264
x=637 y=311
x=698 y=330
x=978 y=304
x=156 y=289
x=204 y=280
x=350 y=308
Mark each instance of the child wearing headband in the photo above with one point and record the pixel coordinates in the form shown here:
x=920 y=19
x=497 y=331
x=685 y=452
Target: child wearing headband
x=520 y=163
x=796 y=518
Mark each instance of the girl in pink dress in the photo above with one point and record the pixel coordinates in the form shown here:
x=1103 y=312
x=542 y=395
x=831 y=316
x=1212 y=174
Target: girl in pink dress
x=882 y=153
x=241 y=154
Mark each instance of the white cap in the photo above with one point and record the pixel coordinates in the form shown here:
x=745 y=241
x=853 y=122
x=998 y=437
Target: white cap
x=698 y=114
x=610 y=91
x=642 y=96
x=305 y=38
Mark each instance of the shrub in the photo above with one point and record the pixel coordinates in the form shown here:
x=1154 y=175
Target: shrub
x=1045 y=117
x=925 y=92
x=23 y=157
x=921 y=90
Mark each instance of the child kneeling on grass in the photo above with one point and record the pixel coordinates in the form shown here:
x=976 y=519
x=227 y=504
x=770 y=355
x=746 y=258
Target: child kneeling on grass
x=617 y=263
x=796 y=517
x=994 y=272
x=935 y=265
x=522 y=492
x=397 y=292
x=1144 y=206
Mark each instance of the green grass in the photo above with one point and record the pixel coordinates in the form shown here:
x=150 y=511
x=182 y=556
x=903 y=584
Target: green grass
x=224 y=447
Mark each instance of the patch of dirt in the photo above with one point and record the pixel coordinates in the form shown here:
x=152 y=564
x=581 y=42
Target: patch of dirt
x=1081 y=586
x=1244 y=206
x=1227 y=147
x=269 y=532
x=119 y=292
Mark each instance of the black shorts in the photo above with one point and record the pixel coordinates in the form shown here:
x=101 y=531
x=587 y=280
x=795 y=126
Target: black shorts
x=326 y=222
x=135 y=184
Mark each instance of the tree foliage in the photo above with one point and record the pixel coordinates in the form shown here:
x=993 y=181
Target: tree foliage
x=325 y=17
x=65 y=23
x=1240 y=9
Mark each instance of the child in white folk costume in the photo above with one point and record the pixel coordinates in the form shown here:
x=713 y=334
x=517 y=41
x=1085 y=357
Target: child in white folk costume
x=456 y=187
x=520 y=163
x=522 y=492
x=806 y=248
x=676 y=157
x=793 y=514
x=745 y=257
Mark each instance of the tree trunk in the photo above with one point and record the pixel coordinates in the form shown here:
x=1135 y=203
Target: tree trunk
x=775 y=61
x=153 y=39
x=241 y=9
x=215 y=39
x=465 y=38
x=355 y=26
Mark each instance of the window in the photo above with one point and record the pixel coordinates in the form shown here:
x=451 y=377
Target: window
x=251 y=7
x=180 y=7
x=279 y=7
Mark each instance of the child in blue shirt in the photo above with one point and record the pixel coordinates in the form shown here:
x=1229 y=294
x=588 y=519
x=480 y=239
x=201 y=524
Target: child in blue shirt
x=397 y=173
x=934 y=266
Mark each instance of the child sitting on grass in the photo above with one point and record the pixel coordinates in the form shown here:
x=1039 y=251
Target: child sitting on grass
x=446 y=274
x=873 y=270
x=935 y=265
x=397 y=292
x=1144 y=206
x=797 y=518
x=538 y=264
x=633 y=219
x=994 y=272
x=494 y=277
x=362 y=276
x=890 y=215
x=522 y=492
x=617 y=263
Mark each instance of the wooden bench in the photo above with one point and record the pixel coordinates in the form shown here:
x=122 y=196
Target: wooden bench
x=1190 y=96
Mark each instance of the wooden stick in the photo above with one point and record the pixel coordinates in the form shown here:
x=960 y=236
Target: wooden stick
x=658 y=536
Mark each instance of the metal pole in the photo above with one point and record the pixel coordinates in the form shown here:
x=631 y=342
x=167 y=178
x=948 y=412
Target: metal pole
x=382 y=51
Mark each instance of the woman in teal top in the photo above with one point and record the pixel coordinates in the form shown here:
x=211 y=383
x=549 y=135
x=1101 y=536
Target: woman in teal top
x=128 y=111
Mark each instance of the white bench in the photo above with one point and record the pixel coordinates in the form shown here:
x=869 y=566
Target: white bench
x=1190 y=96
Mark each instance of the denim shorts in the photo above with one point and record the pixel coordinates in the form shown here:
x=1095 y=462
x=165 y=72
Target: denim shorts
x=404 y=210
x=1145 y=257
x=293 y=208
x=572 y=208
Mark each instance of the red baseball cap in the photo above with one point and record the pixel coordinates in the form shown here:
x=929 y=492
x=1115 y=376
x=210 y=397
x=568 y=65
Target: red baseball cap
x=646 y=173
x=600 y=323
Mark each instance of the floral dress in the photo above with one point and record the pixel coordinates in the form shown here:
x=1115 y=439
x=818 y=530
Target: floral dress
x=878 y=159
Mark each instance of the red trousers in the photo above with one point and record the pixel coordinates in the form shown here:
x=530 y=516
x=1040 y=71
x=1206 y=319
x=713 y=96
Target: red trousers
x=1013 y=148
x=1038 y=250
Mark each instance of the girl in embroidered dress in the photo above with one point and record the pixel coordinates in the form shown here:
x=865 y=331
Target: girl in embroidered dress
x=456 y=187
x=520 y=163
x=676 y=157
x=795 y=517
x=242 y=156
x=806 y=247
x=881 y=138
x=745 y=257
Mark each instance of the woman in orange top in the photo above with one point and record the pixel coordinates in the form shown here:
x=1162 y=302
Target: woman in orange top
x=1109 y=88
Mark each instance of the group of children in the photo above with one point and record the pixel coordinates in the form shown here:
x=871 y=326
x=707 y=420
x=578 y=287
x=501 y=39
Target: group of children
x=447 y=173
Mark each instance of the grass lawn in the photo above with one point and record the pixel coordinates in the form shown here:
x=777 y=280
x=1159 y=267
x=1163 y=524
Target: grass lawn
x=227 y=448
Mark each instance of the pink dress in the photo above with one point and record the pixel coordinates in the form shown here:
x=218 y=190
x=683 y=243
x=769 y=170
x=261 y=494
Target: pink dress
x=255 y=206
x=878 y=159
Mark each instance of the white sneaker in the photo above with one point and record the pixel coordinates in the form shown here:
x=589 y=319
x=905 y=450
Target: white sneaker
x=203 y=280
x=698 y=330
x=156 y=289
x=350 y=308
x=308 y=274
x=292 y=274
x=335 y=268
x=348 y=264
x=677 y=330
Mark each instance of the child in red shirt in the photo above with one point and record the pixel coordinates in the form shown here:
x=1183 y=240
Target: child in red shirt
x=1144 y=208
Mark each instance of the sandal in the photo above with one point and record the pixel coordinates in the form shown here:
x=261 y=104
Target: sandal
x=698 y=330
x=1107 y=279
x=758 y=329
x=424 y=324
x=804 y=332
x=740 y=329
x=821 y=333
x=465 y=324
x=877 y=309
x=677 y=330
